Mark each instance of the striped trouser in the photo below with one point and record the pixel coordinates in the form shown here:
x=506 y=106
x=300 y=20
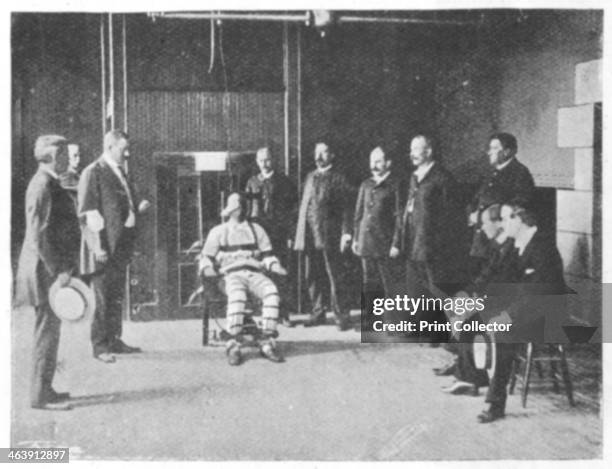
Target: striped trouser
x=237 y=286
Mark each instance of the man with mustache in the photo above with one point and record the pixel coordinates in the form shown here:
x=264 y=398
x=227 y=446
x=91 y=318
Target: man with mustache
x=377 y=215
x=323 y=232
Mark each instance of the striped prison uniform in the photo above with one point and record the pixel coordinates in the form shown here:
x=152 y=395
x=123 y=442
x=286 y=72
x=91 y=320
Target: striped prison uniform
x=242 y=251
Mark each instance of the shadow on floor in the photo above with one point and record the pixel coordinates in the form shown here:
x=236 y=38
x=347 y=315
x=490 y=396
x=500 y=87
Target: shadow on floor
x=134 y=395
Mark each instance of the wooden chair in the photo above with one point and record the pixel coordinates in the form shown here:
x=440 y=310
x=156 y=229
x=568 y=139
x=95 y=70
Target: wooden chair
x=535 y=356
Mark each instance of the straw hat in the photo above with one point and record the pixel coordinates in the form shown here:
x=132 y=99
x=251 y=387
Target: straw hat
x=73 y=302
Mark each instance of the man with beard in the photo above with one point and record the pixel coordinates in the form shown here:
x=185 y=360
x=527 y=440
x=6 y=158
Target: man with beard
x=323 y=232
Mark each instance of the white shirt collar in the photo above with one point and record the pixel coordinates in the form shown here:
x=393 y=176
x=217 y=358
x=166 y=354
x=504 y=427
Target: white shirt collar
x=523 y=239
x=379 y=179
x=422 y=170
x=499 y=167
x=50 y=172
x=263 y=176
x=325 y=169
x=501 y=238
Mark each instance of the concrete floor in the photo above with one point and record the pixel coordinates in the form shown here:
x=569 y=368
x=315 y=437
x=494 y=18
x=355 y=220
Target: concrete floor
x=333 y=399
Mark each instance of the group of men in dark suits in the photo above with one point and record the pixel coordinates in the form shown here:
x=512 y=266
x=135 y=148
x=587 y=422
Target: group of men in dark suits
x=385 y=221
x=388 y=222
x=516 y=264
x=76 y=226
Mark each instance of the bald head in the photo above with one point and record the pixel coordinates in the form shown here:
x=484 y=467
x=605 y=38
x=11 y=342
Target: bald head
x=421 y=151
x=264 y=160
x=116 y=145
x=323 y=155
x=379 y=164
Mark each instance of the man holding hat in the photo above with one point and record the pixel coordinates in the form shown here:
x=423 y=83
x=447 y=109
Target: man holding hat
x=241 y=251
x=50 y=254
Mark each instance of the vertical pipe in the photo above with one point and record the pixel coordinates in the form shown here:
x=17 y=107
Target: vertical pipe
x=299 y=107
x=125 y=82
x=299 y=147
x=103 y=73
x=111 y=69
x=286 y=95
x=128 y=273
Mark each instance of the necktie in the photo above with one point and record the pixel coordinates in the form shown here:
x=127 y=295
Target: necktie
x=126 y=186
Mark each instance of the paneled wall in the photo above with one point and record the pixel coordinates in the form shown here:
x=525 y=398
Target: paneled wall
x=174 y=121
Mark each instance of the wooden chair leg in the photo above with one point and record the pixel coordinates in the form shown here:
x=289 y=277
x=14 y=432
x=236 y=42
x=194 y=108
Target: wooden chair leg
x=567 y=381
x=527 y=374
x=554 y=372
x=513 y=372
x=205 y=318
x=538 y=367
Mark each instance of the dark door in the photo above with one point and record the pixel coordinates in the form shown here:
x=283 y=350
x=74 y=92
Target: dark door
x=189 y=204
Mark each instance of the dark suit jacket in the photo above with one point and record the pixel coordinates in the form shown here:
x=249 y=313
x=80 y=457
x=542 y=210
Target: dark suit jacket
x=273 y=203
x=51 y=240
x=325 y=210
x=430 y=233
x=541 y=286
x=500 y=268
x=100 y=189
x=513 y=181
x=378 y=215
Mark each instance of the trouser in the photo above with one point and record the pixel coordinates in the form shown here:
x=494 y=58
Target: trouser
x=109 y=288
x=420 y=283
x=378 y=274
x=497 y=394
x=323 y=272
x=238 y=284
x=44 y=355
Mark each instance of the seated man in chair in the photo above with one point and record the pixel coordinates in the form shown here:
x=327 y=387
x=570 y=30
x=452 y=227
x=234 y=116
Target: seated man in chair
x=241 y=251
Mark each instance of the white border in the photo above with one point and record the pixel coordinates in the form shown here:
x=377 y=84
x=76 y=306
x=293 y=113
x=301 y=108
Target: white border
x=141 y=6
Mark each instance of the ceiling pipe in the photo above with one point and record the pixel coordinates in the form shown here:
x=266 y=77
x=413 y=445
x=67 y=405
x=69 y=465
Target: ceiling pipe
x=305 y=17
x=397 y=20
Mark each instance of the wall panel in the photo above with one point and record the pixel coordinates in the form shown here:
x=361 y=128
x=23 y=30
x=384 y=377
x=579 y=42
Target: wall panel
x=176 y=121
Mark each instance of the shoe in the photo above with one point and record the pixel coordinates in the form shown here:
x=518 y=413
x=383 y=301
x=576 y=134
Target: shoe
x=268 y=350
x=121 y=347
x=461 y=387
x=490 y=415
x=105 y=357
x=234 y=355
x=287 y=322
x=343 y=324
x=53 y=396
x=445 y=370
x=52 y=406
x=314 y=321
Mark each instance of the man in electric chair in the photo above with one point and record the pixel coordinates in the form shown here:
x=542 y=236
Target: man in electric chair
x=241 y=252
